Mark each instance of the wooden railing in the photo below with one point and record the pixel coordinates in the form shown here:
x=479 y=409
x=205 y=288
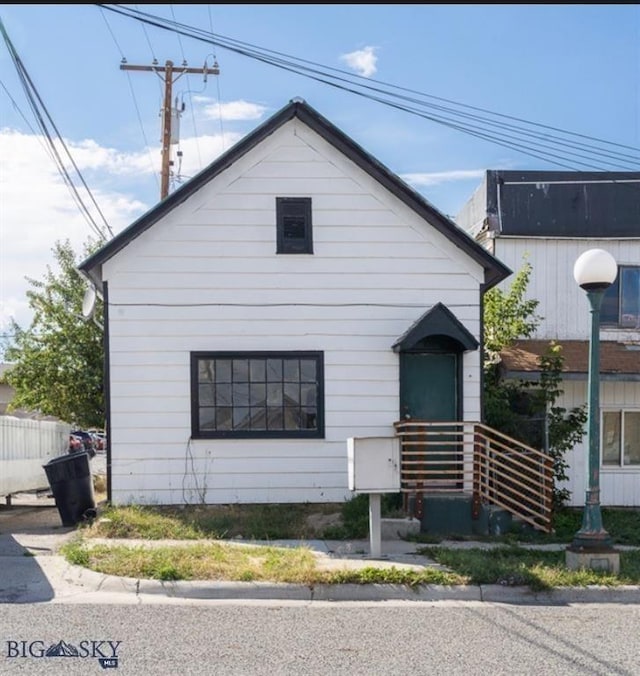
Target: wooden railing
x=474 y=458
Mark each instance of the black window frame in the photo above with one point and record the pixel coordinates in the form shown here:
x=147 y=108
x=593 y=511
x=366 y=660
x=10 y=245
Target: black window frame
x=613 y=297
x=294 y=207
x=315 y=433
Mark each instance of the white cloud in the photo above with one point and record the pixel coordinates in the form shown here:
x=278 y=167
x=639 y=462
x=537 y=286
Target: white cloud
x=363 y=61
x=88 y=154
x=37 y=209
x=232 y=110
x=437 y=177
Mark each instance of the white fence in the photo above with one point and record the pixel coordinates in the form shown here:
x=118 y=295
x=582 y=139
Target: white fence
x=25 y=446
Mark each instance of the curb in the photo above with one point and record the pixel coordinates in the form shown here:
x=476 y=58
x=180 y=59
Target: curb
x=275 y=591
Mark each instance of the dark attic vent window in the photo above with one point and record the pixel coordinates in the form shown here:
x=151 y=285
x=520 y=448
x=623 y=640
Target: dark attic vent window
x=293 y=217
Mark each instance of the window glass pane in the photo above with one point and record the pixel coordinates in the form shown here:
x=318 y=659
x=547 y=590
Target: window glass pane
x=610 y=308
x=223 y=370
x=291 y=394
x=274 y=370
x=207 y=419
x=241 y=394
x=258 y=371
x=307 y=370
x=223 y=418
x=206 y=395
x=274 y=419
x=259 y=418
x=258 y=394
x=241 y=419
x=630 y=297
x=611 y=438
x=308 y=395
x=223 y=394
x=206 y=370
x=240 y=370
x=310 y=418
x=632 y=438
x=291 y=370
x=292 y=419
x=274 y=394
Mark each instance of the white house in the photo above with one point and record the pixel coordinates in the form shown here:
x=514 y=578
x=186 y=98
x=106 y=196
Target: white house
x=292 y=295
x=551 y=217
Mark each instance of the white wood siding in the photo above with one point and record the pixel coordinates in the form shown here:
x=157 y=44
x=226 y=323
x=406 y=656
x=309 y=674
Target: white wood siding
x=618 y=486
x=207 y=278
x=563 y=304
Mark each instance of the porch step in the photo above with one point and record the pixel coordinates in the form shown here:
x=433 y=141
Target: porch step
x=399 y=529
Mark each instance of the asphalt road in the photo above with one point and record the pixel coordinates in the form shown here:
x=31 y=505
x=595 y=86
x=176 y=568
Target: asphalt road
x=399 y=638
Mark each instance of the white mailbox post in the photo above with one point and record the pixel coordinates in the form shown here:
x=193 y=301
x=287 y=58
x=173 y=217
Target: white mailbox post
x=374 y=468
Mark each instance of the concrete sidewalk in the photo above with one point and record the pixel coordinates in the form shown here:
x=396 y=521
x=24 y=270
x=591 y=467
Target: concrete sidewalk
x=33 y=571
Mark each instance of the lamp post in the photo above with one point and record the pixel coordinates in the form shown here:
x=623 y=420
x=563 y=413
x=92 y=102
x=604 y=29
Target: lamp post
x=594 y=271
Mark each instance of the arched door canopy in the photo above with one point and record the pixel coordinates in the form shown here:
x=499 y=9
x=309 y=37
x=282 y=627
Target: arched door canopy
x=438 y=321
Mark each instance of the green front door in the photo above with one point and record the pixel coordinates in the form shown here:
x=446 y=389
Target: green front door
x=429 y=391
x=429 y=386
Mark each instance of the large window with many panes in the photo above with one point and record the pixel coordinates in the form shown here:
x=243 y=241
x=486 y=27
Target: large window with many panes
x=621 y=439
x=621 y=302
x=257 y=394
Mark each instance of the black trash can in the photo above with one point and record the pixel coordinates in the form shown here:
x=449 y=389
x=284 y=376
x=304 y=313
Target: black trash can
x=71 y=483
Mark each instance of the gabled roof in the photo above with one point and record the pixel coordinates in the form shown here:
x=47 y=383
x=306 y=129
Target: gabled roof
x=495 y=271
x=438 y=321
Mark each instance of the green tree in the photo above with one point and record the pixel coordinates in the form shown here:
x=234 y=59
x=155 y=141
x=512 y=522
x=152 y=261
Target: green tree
x=511 y=405
x=565 y=428
x=509 y=315
x=57 y=363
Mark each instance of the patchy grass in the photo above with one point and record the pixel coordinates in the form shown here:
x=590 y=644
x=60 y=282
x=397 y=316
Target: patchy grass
x=538 y=570
x=397 y=576
x=509 y=566
x=257 y=522
x=211 y=561
x=235 y=562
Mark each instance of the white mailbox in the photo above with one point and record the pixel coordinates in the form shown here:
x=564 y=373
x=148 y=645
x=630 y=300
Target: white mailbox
x=374 y=464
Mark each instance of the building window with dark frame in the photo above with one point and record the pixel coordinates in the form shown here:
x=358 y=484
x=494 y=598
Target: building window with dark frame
x=257 y=394
x=293 y=219
x=621 y=439
x=621 y=302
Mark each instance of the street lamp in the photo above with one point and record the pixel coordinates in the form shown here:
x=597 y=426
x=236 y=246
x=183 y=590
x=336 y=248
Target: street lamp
x=594 y=271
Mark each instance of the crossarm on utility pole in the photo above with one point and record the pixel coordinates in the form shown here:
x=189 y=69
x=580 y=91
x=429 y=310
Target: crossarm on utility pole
x=169 y=74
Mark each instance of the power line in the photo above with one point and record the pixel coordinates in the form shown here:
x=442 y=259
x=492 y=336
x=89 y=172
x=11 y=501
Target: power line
x=135 y=102
x=505 y=130
x=37 y=105
x=193 y=117
x=215 y=59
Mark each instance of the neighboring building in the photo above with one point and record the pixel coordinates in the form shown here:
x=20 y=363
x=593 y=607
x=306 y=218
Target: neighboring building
x=551 y=217
x=293 y=294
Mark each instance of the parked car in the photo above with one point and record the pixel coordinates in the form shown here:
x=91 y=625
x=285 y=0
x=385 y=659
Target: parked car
x=86 y=442
x=99 y=439
x=75 y=444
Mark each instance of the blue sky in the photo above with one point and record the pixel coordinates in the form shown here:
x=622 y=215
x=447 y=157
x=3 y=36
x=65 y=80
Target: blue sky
x=573 y=67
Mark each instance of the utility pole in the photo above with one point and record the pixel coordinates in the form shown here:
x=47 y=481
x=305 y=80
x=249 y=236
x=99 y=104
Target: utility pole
x=169 y=74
